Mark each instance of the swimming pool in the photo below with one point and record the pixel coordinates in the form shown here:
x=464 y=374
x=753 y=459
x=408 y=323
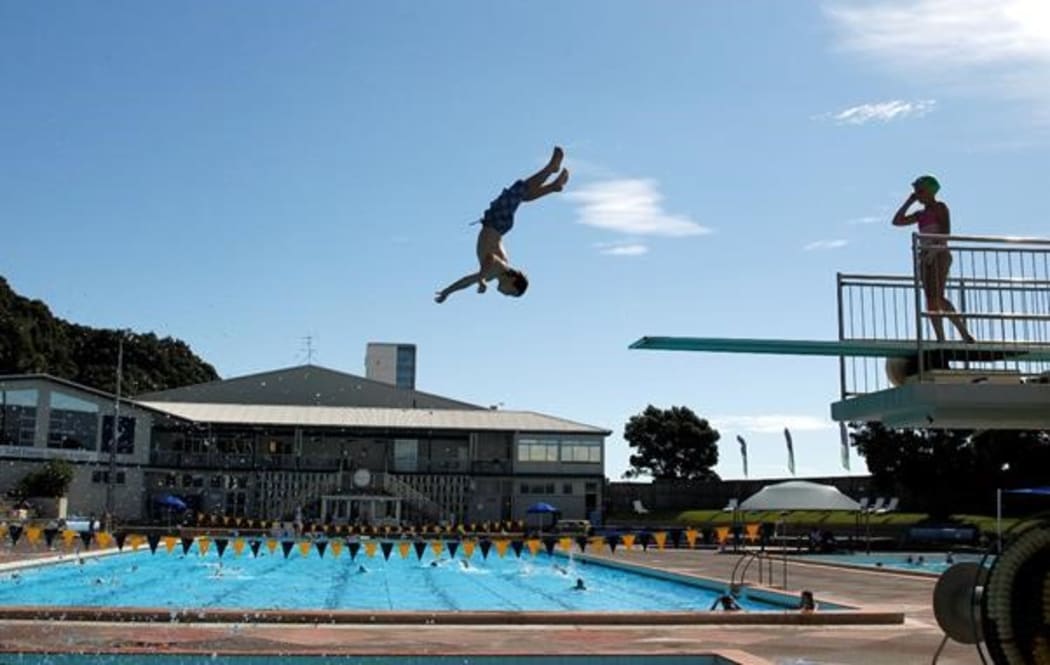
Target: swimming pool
x=928 y=563
x=432 y=582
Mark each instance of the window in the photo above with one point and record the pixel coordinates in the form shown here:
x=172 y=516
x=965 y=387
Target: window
x=537 y=450
x=566 y=488
x=102 y=477
x=524 y=488
x=126 y=440
x=18 y=417
x=581 y=451
x=73 y=423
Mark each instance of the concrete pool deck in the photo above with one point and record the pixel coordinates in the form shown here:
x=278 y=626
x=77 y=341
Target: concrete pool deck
x=913 y=641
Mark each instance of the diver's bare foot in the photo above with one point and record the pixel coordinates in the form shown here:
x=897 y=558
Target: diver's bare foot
x=556 y=157
x=559 y=182
x=439 y=297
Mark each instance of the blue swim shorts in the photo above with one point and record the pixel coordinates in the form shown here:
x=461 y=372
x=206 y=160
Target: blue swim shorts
x=500 y=215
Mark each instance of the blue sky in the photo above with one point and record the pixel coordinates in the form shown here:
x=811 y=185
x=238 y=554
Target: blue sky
x=243 y=174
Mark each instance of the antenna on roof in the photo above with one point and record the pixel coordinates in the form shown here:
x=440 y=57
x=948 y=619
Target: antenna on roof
x=308 y=343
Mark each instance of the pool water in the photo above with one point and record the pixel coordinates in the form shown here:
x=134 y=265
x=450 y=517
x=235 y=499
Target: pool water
x=270 y=581
x=932 y=563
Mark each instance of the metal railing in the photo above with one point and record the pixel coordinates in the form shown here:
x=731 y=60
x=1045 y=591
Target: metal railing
x=998 y=293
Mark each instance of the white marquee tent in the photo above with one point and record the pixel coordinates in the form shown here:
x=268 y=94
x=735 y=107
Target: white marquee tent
x=799 y=495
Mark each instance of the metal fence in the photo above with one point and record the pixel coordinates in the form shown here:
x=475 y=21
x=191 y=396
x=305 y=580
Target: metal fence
x=999 y=294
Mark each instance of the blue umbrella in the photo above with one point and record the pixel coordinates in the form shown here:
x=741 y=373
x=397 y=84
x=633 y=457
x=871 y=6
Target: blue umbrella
x=542 y=507
x=171 y=501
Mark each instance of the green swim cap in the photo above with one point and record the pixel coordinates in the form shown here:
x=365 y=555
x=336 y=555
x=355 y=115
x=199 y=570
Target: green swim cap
x=927 y=182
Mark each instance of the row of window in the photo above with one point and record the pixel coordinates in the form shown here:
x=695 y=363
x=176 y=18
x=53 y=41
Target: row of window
x=73 y=423
x=559 y=450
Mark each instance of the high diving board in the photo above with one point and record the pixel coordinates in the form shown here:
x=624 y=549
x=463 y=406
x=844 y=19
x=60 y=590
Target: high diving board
x=978 y=403
x=948 y=351
x=1023 y=406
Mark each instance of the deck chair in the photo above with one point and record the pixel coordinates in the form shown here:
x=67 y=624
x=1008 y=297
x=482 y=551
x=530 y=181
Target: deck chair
x=863 y=503
x=877 y=506
x=639 y=509
x=889 y=507
x=731 y=506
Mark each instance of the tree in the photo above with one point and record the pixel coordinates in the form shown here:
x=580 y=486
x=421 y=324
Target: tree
x=51 y=480
x=952 y=471
x=671 y=443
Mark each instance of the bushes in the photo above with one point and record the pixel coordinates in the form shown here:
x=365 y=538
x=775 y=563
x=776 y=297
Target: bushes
x=52 y=480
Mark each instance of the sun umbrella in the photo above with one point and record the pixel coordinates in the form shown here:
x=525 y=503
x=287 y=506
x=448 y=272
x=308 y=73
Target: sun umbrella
x=172 y=501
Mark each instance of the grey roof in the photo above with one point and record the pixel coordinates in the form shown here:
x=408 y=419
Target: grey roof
x=306 y=385
x=372 y=418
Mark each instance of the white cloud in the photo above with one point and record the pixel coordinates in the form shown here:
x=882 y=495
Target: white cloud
x=622 y=248
x=1001 y=47
x=633 y=207
x=882 y=112
x=825 y=244
x=774 y=423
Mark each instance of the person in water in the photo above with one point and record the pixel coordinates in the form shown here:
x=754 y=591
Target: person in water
x=806 y=603
x=727 y=602
x=580 y=586
x=934 y=259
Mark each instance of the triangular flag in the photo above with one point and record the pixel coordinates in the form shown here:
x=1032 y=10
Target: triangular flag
x=353 y=546
x=437 y=547
x=661 y=539
x=676 y=537
x=68 y=536
x=565 y=543
x=453 y=545
x=644 y=538
x=220 y=546
x=420 y=547
x=534 y=545
x=254 y=546
x=271 y=544
x=85 y=537
x=485 y=546
x=548 y=544
x=49 y=536
x=238 y=546
x=286 y=547
x=203 y=544
x=304 y=547
x=169 y=543
x=33 y=534
x=628 y=540
x=187 y=543
x=321 y=546
x=121 y=538
x=581 y=541
x=501 y=547
x=517 y=546
x=153 y=540
x=690 y=537
x=337 y=548
x=135 y=541
x=612 y=541
x=370 y=549
x=14 y=532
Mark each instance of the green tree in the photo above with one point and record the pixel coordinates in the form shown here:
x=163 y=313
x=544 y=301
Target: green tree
x=51 y=480
x=952 y=471
x=671 y=443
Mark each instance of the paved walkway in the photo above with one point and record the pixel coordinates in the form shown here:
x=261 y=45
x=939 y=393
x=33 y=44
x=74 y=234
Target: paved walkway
x=913 y=642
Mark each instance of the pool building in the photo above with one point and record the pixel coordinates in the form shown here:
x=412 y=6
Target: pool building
x=303 y=440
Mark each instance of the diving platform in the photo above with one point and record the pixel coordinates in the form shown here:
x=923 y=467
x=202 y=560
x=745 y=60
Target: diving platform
x=893 y=366
x=947 y=351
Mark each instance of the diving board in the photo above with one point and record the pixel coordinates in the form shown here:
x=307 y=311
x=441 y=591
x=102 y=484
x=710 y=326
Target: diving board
x=945 y=351
x=1023 y=406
